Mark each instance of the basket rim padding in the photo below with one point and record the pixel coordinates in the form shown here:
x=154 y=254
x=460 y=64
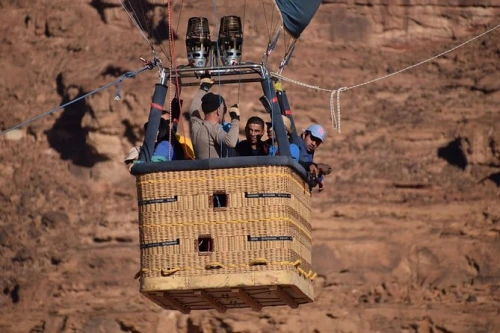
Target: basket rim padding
x=219 y=163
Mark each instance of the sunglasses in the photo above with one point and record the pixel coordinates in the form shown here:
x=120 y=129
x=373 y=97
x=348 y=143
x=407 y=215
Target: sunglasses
x=313 y=138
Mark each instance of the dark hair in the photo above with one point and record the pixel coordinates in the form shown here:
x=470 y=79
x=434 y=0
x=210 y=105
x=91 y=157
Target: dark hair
x=210 y=102
x=163 y=135
x=255 y=120
x=175 y=108
x=162 y=130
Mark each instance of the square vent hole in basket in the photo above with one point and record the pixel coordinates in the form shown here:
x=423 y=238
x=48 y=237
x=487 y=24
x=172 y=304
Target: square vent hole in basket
x=219 y=200
x=205 y=244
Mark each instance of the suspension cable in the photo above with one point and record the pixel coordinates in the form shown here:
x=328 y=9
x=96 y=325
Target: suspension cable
x=117 y=81
x=336 y=92
x=243 y=32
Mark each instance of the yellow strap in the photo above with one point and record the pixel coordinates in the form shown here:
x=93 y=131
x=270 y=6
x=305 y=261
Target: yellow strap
x=302 y=272
x=214 y=265
x=277 y=86
x=306 y=233
x=139 y=273
x=218 y=265
x=187 y=146
x=258 y=261
x=170 y=271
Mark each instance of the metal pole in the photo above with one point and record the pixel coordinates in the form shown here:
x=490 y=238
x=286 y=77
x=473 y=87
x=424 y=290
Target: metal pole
x=156 y=109
x=279 y=126
x=283 y=99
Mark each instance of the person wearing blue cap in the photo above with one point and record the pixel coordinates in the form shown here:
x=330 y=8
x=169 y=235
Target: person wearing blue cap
x=312 y=137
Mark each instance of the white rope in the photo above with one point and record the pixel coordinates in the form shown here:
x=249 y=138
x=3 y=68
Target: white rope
x=332 y=112
x=335 y=117
x=281 y=77
x=427 y=60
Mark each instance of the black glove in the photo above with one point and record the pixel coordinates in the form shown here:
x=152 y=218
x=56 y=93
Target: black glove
x=206 y=83
x=234 y=112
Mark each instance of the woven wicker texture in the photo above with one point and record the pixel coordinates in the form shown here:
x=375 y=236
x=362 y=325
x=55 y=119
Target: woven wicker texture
x=256 y=219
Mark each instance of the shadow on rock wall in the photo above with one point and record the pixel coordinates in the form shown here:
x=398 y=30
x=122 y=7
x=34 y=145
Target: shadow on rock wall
x=67 y=136
x=453 y=154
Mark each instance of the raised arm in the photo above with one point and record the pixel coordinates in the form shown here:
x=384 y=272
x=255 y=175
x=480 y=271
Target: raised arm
x=230 y=139
x=195 y=107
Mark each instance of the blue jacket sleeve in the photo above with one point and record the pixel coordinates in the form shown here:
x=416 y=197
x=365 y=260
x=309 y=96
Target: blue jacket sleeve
x=164 y=151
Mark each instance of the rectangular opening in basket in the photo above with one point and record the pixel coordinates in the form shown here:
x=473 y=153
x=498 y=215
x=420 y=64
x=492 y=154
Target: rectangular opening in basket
x=205 y=244
x=219 y=200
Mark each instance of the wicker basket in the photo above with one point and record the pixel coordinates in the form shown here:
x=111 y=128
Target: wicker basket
x=225 y=238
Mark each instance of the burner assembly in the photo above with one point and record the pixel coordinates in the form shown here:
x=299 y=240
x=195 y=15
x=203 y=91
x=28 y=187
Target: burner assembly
x=225 y=51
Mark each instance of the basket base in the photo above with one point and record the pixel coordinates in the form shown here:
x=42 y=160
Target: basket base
x=229 y=291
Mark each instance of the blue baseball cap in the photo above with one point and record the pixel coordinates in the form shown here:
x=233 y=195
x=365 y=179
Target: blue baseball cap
x=317 y=131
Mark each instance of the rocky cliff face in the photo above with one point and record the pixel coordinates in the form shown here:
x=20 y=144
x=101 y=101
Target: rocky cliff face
x=406 y=234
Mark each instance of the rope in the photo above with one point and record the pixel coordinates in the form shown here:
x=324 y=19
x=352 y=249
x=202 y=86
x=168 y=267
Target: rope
x=136 y=23
x=243 y=31
x=218 y=60
x=170 y=271
x=278 y=220
x=218 y=265
x=258 y=261
x=180 y=16
x=134 y=17
x=214 y=265
x=281 y=77
x=427 y=60
x=118 y=95
x=335 y=109
x=172 y=66
x=119 y=81
x=267 y=23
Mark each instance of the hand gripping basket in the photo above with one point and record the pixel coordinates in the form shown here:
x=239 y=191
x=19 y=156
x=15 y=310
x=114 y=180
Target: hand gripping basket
x=215 y=237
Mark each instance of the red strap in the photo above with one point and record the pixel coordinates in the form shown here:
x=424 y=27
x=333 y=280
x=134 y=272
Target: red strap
x=157 y=106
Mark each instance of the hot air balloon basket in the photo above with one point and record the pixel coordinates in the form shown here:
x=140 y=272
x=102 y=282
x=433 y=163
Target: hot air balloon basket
x=225 y=238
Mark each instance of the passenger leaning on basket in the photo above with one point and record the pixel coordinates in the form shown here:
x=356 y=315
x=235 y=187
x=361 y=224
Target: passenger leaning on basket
x=273 y=143
x=253 y=145
x=164 y=150
x=309 y=141
x=175 y=115
x=207 y=134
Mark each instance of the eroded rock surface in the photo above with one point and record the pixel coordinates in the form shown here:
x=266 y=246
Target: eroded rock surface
x=406 y=234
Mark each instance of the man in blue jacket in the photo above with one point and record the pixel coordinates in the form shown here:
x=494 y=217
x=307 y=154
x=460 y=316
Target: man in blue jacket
x=309 y=141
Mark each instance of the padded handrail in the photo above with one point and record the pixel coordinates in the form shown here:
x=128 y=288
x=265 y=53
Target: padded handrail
x=219 y=163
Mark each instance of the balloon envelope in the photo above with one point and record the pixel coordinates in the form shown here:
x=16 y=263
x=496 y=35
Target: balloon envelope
x=297 y=14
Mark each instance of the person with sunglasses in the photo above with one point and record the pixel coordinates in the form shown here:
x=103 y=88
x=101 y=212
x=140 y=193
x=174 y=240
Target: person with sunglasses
x=312 y=137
